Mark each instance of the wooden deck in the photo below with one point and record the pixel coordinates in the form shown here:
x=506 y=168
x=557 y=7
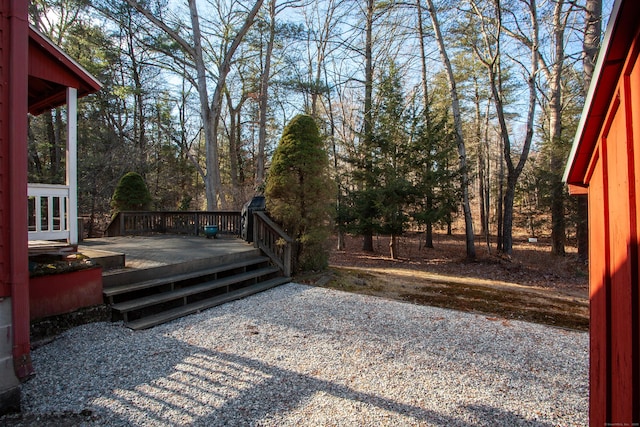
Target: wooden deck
x=142 y=252
x=37 y=247
x=149 y=280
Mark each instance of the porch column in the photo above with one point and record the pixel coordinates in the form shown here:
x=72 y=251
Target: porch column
x=72 y=163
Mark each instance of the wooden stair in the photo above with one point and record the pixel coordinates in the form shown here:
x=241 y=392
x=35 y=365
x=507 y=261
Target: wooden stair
x=145 y=299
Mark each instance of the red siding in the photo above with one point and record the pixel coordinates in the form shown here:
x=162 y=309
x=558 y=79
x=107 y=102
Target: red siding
x=634 y=91
x=598 y=278
x=4 y=151
x=614 y=276
x=14 y=273
x=619 y=316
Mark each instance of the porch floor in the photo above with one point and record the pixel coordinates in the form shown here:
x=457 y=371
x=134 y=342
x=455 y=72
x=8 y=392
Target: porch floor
x=158 y=250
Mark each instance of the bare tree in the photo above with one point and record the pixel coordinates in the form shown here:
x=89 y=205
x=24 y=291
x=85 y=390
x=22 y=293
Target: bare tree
x=367 y=243
x=553 y=69
x=457 y=120
x=591 y=45
x=210 y=110
x=264 y=96
x=489 y=52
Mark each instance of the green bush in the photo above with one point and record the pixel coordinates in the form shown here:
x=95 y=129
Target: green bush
x=131 y=194
x=299 y=191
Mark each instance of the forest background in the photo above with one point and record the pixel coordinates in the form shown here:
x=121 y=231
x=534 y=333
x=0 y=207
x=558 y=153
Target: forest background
x=434 y=113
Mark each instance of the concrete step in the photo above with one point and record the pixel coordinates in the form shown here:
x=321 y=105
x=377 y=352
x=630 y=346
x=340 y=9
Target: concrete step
x=183 y=293
x=106 y=259
x=117 y=290
x=168 y=315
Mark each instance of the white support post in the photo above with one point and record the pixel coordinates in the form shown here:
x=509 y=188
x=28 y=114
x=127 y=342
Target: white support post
x=72 y=163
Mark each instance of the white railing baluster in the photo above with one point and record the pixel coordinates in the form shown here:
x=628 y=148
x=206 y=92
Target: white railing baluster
x=38 y=213
x=50 y=214
x=55 y=196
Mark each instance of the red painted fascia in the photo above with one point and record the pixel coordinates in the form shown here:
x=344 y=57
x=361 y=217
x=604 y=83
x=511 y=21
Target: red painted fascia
x=621 y=31
x=47 y=62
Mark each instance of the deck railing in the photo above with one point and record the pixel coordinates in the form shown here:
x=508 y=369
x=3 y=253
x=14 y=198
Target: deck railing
x=273 y=241
x=173 y=222
x=49 y=212
x=267 y=235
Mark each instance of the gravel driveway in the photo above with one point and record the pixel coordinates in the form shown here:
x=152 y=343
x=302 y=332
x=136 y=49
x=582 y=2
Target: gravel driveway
x=299 y=355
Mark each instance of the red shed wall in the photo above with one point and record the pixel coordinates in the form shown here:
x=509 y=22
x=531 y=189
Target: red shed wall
x=14 y=271
x=614 y=258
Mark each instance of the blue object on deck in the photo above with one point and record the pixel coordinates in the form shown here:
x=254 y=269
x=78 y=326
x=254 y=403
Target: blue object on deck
x=210 y=231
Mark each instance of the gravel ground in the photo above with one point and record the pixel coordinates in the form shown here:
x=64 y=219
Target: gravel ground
x=299 y=355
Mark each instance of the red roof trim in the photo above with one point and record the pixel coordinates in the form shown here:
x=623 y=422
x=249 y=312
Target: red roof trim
x=51 y=72
x=621 y=31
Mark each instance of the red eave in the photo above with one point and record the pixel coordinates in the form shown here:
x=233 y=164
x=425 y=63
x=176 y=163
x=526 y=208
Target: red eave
x=51 y=72
x=622 y=28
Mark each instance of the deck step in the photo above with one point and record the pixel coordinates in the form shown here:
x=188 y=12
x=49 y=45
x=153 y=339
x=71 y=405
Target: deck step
x=168 y=315
x=147 y=297
x=112 y=291
x=147 y=301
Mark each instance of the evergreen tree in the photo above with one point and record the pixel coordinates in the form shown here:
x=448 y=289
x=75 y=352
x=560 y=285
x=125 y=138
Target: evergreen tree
x=379 y=203
x=433 y=165
x=299 y=191
x=390 y=135
x=131 y=194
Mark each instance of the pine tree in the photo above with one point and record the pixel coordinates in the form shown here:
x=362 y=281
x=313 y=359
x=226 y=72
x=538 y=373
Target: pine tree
x=433 y=164
x=379 y=203
x=299 y=191
x=131 y=194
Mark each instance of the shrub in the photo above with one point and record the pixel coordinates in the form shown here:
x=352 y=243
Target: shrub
x=131 y=194
x=299 y=191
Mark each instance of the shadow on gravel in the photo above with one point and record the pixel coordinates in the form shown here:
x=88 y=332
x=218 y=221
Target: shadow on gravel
x=191 y=385
x=227 y=389
x=286 y=390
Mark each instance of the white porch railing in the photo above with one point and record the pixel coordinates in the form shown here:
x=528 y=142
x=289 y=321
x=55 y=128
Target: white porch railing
x=49 y=215
x=53 y=209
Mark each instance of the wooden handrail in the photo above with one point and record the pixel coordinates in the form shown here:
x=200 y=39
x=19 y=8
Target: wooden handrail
x=175 y=222
x=273 y=241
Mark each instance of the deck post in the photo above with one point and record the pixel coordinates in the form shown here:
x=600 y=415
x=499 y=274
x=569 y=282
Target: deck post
x=72 y=164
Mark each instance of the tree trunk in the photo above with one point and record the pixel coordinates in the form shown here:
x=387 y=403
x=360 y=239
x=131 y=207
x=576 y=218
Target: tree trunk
x=393 y=246
x=555 y=130
x=457 y=118
x=428 y=235
x=212 y=177
x=509 y=196
x=481 y=156
x=486 y=181
x=334 y=148
x=591 y=44
x=367 y=244
x=500 y=199
x=52 y=139
x=264 y=96
x=557 y=218
x=233 y=134
x=139 y=122
x=493 y=66
x=215 y=180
